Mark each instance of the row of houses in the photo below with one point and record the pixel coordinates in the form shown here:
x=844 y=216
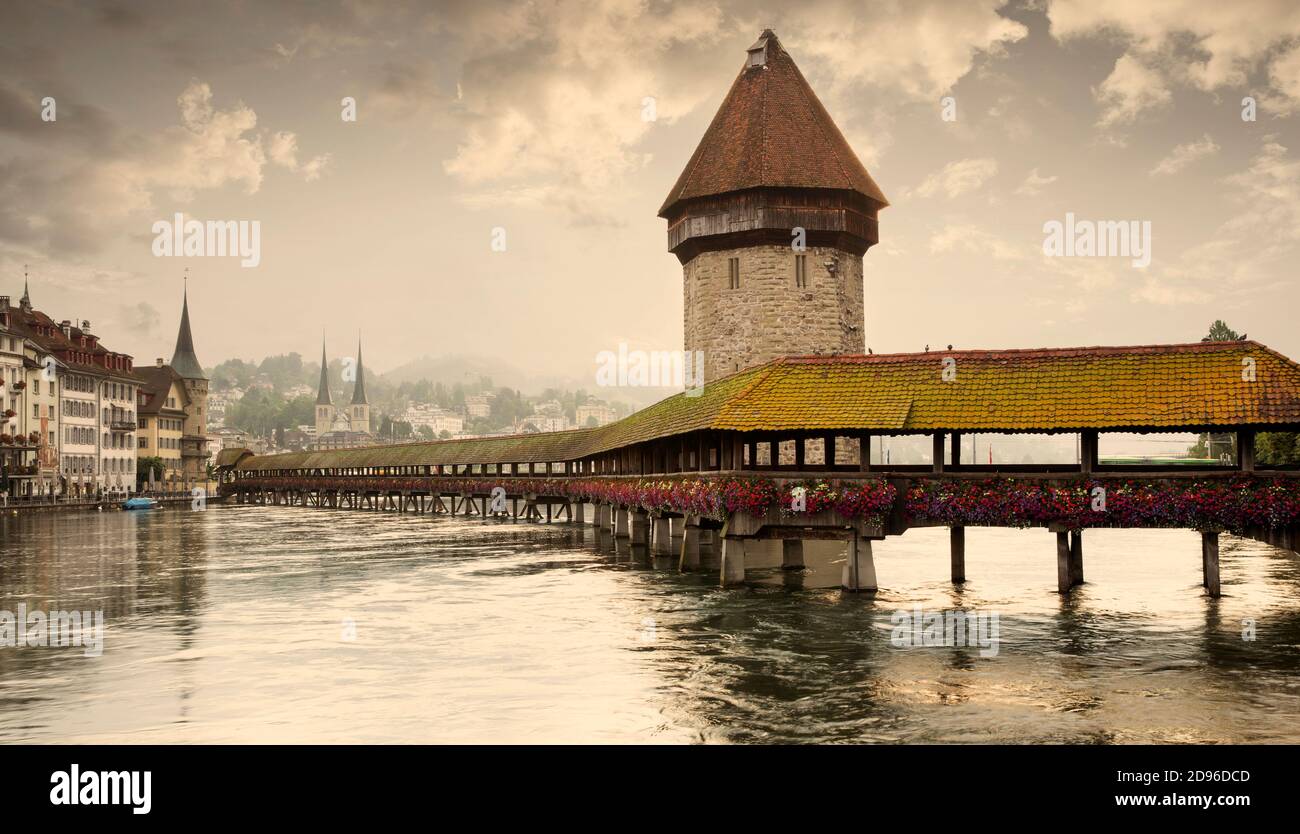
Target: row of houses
x=76 y=417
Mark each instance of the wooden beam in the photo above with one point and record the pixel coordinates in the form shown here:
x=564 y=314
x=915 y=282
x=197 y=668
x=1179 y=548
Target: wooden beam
x=937 y=446
x=864 y=452
x=1088 y=444
x=1245 y=451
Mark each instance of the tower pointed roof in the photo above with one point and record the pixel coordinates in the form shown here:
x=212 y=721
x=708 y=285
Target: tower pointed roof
x=359 y=390
x=183 y=359
x=26 y=301
x=323 y=392
x=771 y=131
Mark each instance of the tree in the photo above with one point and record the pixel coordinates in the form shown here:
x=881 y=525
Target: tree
x=1274 y=448
x=143 y=466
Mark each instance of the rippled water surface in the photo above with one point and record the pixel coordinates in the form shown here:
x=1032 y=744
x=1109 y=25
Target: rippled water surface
x=236 y=625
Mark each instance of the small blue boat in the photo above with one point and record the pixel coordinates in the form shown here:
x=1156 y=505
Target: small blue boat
x=139 y=504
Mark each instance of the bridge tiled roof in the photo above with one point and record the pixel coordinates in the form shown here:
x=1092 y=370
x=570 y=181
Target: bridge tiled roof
x=1203 y=385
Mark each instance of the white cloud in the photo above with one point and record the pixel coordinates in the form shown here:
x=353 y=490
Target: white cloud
x=1131 y=88
x=957 y=178
x=1207 y=44
x=282 y=149
x=1253 y=249
x=918 y=49
x=563 y=102
x=78 y=203
x=973 y=239
x=1185 y=154
x=1034 y=184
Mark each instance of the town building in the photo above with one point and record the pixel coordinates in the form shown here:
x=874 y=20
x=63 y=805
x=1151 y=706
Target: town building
x=479 y=405
x=435 y=419
x=593 y=413
x=161 y=405
x=94 y=390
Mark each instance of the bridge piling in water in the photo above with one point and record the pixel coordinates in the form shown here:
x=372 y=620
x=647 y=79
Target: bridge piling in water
x=733 y=562
x=860 y=567
x=792 y=554
x=957 y=545
x=1210 y=563
x=662 y=542
x=690 y=547
x=1076 y=557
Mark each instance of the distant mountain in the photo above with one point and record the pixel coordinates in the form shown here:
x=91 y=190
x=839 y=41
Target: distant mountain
x=462 y=368
x=467 y=368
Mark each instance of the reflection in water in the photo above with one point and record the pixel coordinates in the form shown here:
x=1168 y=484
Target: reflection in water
x=267 y=624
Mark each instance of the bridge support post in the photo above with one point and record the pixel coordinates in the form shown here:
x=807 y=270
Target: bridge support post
x=1210 y=563
x=1076 y=557
x=1063 y=574
x=690 y=559
x=640 y=528
x=733 y=561
x=578 y=513
x=860 y=568
x=792 y=554
x=957 y=542
x=620 y=522
x=662 y=543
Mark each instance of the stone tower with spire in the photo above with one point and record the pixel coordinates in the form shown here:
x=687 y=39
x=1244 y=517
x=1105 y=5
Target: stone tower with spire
x=770 y=220
x=324 y=405
x=185 y=364
x=359 y=415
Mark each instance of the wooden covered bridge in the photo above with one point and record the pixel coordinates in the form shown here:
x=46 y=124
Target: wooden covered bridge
x=783 y=451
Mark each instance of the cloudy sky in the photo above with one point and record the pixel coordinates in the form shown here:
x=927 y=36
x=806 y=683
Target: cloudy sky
x=529 y=116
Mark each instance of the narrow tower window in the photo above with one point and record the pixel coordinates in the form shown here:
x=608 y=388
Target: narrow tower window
x=801 y=271
x=733 y=269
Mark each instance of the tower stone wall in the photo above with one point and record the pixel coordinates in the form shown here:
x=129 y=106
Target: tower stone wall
x=770 y=314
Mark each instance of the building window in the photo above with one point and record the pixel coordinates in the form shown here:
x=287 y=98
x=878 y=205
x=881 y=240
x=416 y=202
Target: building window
x=801 y=271
x=733 y=270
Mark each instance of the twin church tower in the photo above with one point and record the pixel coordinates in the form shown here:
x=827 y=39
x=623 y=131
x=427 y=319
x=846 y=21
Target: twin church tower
x=343 y=426
x=770 y=220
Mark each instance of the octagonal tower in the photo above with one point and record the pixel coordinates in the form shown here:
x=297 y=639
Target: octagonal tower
x=771 y=162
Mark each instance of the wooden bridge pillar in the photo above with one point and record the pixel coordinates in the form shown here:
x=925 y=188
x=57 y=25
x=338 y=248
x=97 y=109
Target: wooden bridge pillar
x=1063 y=575
x=1076 y=557
x=621 y=522
x=578 y=513
x=1210 y=563
x=957 y=543
x=792 y=554
x=662 y=543
x=860 y=567
x=733 y=561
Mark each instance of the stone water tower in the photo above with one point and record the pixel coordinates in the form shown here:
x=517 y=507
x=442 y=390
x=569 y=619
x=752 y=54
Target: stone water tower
x=771 y=162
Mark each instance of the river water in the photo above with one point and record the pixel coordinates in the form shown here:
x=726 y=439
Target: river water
x=266 y=624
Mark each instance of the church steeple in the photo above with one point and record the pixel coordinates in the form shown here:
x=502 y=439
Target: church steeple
x=323 y=392
x=359 y=390
x=184 y=362
x=25 y=303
